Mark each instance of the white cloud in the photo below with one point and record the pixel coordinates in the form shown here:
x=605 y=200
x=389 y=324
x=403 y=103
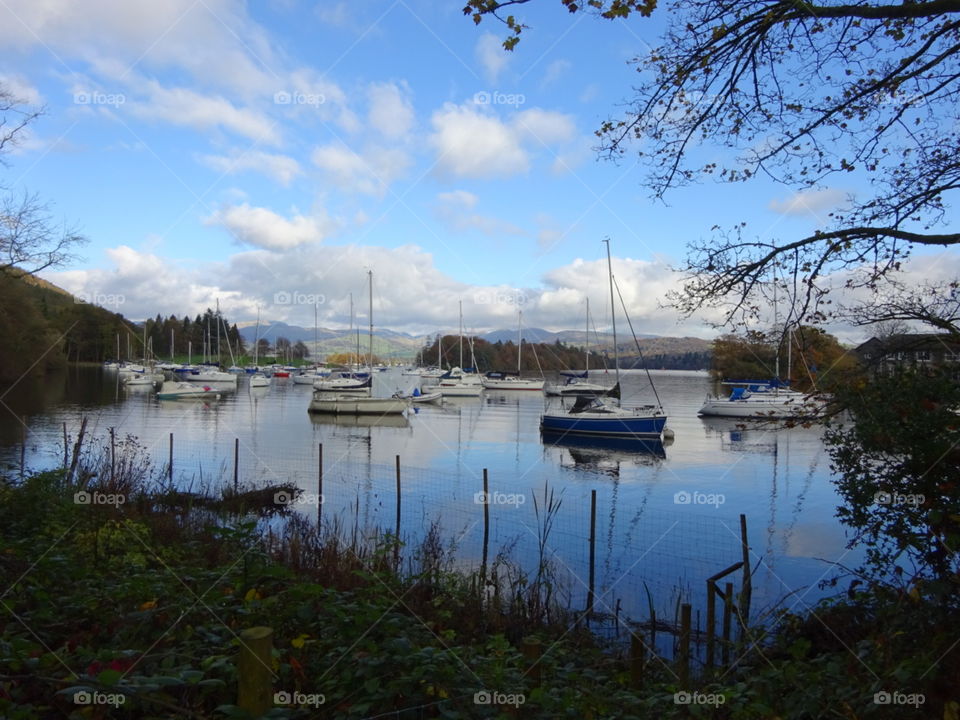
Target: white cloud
x=472 y=144
x=215 y=41
x=545 y=126
x=557 y=70
x=391 y=112
x=809 y=202
x=370 y=173
x=21 y=89
x=181 y=106
x=266 y=229
x=491 y=56
x=281 y=168
x=456 y=210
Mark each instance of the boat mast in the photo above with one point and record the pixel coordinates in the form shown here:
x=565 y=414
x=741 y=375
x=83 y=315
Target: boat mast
x=519 y=338
x=171 y=344
x=370 y=363
x=613 y=313
x=218 y=331
x=256 y=342
x=316 y=341
x=586 y=342
x=461 y=335
x=351 y=330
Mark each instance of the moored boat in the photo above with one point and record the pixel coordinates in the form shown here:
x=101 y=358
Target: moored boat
x=172 y=390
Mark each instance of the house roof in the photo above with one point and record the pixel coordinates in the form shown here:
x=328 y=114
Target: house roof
x=875 y=348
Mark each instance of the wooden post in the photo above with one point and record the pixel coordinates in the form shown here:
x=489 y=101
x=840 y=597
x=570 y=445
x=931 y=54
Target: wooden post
x=170 y=461
x=23 y=445
x=66 y=447
x=683 y=659
x=727 y=613
x=747 y=589
x=593 y=548
x=113 y=451
x=254 y=671
x=319 y=485
x=711 y=620
x=396 y=540
x=653 y=631
x=532 y=652
x=486 y=527
x=637 y=661
x=236 y=466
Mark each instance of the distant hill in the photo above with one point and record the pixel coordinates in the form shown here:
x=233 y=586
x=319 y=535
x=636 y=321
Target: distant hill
x=686 y=352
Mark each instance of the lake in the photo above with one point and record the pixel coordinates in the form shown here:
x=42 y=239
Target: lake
x=666 y=518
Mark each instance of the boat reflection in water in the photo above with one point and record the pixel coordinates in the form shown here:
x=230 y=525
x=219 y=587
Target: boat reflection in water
x=736 y=435
x=605 y=453
x=365 y=421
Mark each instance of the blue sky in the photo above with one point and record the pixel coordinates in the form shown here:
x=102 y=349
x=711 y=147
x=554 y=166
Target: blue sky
x=255 y=153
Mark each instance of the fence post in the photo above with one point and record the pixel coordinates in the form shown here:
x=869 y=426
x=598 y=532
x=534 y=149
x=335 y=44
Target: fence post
x=593 y=548
x=236 y=466
x=170 y=461
x=23 y=445
x=486 y=528
x=254 y=671
x=396 y=540
x=747 y=588
x=532 y=652
x=711 y=620
x=66 y=447
x=319 y=485
x=727 y=613
x=112 y=457
x=684 y=654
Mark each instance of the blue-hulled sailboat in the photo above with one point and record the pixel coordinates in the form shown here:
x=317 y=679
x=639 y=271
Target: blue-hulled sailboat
x=605 y=417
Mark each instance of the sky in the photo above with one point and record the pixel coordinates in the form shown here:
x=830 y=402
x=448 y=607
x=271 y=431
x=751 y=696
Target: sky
x=268 y=155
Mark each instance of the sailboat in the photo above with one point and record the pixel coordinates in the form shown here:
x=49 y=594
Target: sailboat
x=760 y=399
x=346 y=403
x=456 y=382
x=591 y=415
x=577 y=382
x=502 y=380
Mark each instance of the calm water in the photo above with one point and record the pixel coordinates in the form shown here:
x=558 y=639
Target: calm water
x=645 y=539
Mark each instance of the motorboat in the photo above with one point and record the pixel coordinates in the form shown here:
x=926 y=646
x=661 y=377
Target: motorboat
x=173 y=390
x=761 y=399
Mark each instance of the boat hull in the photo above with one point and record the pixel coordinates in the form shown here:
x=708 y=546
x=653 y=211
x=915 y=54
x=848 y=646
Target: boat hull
x=754 y=407
x=605 y=424
x=348 y=405
x=506 y=384
x=461 y=390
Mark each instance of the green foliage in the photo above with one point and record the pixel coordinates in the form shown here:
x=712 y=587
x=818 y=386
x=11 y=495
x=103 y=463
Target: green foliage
x=898 y=467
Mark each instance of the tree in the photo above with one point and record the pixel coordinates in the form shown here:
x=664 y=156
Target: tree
x=898 y=466
x=802 y=93
x=30 y=239
x=299 y=351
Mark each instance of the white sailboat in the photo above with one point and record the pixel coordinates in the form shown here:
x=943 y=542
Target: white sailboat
x=578 y=383
x=341 y=403
x=457 y=383
x=501 y=380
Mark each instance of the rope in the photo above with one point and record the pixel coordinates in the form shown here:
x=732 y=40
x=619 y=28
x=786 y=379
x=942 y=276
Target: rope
x=636 y=342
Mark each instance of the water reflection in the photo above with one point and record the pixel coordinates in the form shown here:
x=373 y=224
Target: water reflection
x=603 y=454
